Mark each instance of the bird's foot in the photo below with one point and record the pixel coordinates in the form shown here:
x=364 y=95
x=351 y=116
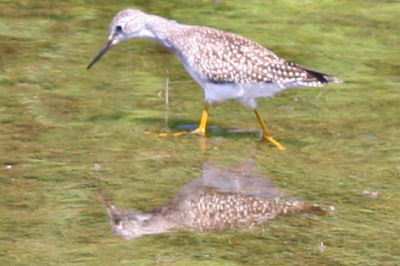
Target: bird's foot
x=180 y=133
x=162 y=134
x=275 y=142
x=199 y=131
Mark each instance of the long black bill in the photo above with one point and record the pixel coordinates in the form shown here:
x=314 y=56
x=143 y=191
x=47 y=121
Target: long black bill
x=100 y=54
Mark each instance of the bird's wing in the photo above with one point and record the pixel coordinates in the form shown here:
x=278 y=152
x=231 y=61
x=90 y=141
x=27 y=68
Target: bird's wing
x=223 y=57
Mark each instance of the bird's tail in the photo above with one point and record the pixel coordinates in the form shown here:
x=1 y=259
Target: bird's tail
x=321 y=77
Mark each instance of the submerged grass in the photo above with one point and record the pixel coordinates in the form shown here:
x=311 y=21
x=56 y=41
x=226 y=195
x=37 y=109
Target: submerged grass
x=63 y=129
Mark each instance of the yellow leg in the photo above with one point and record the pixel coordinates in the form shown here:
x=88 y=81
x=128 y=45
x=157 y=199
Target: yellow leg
x=201 y=130
x=266 y=134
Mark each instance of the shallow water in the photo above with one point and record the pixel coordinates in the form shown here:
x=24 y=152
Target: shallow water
x=63 y=129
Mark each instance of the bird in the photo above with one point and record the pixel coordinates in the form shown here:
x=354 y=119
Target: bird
x=226 y=65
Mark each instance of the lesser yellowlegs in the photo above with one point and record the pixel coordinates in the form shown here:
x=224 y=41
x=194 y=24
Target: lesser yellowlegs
x=226 y=65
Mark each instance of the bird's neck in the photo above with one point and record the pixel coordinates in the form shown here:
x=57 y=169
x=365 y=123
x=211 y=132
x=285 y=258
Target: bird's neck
x=161 y=30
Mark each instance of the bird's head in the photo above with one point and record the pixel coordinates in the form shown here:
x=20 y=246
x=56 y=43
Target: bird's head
x=127 y=24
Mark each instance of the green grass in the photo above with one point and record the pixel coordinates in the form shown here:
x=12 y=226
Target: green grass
x=57 y=121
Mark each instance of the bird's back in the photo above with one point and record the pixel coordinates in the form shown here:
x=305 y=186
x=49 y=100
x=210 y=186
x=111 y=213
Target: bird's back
x=223 y=57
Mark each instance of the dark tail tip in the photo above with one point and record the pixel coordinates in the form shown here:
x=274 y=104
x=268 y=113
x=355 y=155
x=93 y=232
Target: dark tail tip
x=322 y=77
x=319 y=76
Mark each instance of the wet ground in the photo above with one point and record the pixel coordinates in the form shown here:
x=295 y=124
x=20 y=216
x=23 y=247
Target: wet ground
x=66 y=132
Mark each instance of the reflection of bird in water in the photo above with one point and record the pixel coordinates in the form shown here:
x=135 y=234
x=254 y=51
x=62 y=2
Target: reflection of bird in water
x=226 y=65
x=220 y=199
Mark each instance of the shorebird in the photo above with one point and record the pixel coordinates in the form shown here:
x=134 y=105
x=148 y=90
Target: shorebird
x=224 y=64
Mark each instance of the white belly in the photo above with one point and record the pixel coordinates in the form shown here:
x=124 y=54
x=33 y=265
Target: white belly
x=246 y=93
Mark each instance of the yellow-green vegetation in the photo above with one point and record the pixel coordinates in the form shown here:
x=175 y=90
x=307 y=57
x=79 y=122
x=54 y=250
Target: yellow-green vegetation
x=63 y=129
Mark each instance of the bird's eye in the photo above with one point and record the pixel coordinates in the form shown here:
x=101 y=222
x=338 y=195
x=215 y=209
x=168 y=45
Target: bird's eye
x=118 y=28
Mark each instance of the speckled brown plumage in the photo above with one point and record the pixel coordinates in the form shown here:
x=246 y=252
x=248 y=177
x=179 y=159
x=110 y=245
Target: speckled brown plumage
x=222 y=199
x=224 y=57
x=213 y=57
x=226 y=65
x=217 y=210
